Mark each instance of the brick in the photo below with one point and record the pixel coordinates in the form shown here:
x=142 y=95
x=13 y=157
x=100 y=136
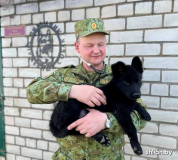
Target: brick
x=6 y=42
x=19 y=1
x=29 y=72
x=170 y=48
x=40 y=124
x=48 y=136
x=50 y=16
x=159 y=89
x=26 y=19
x=159 y=141
x=44 y=74
x=68 y=61
x=33 y=133
x=9 y=52
x=52 y=5
x=169 y=76
x=22 y=158
x=162 y=6
x=78 y=14
x=125 y=9
x=18 y=82
x=7 y=82
x=15 y=20
x=93 y=12
x=22 y=93
x=144 y=22
x=2 y=32
x=34 y=153
x=2 y=158
x=78 y=4
x=150 y=128
x=108 y=11
x=11 y=111
x=70 y=27
x=114 y=24
x=173 y=90
x=161 y=35
x=20 y=141
x=12 y=130
x=126 y=36
x=11 y=92
x=151 y=102
x=169 y=130
x=170 y=20
x=9 y=120
x=7 y=10
x=47 y=115
x=47 y=155
x=5 y=21
x=161 y=62
x=138 y=158
x=12 y=149
x=129 y=150
x=31 y=143
x=27 y=82
x=175 y=6
x=10 y=156
x=169 y=103
x=151 y=75
x=145 y=89
x=10 y=139
x=37 y=18
x=63 y=16
x=8 y=101
x=105 y=2
x=173 y=156
x=31 y=113
x=69 y=38
x=43 y=106
x=124 y=60
x=19 y=41
x=42 y=145
x=143 y=8
x=20 y=62
x=163 y=116
x=29 y=29
x=7 y=62
x=27 y=8
x=142 y=49
x=23 y=52
x=22 y=122
x=115 y=50
x=21 y=102
x=53 y=146
x=127 y=157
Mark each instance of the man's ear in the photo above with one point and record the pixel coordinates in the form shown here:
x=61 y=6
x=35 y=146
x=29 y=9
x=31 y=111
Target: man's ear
x=77 y=47
x=137 y=64
x=118 y=68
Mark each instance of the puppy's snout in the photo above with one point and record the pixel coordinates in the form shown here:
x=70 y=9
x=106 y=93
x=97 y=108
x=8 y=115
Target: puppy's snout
x=137 y=95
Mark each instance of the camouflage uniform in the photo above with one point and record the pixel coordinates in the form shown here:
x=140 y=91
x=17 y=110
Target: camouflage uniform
x=56 y=87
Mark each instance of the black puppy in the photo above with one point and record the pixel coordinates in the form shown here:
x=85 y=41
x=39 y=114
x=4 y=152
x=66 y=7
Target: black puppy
x=121 y=94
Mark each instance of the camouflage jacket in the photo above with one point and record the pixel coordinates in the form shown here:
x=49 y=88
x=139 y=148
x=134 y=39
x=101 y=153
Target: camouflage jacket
x=56 y=87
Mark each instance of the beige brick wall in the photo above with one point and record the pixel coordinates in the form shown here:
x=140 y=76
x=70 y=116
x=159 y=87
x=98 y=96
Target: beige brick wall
x=137 y=27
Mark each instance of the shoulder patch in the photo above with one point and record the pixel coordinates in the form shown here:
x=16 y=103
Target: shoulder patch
x=48 y=76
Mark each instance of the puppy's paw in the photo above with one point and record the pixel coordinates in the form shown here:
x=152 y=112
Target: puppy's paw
x=136 y=147
x=105 y=141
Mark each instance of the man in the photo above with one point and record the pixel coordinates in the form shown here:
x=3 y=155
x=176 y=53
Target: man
x=64 y=83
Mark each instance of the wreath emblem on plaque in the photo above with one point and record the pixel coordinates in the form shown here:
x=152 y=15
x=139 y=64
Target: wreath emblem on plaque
x=43 y=52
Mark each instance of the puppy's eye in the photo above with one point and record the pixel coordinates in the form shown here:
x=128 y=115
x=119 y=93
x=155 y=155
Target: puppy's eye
x=127 y=83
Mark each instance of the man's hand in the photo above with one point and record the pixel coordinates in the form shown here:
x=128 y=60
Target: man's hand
x=91 y=124
x=88 y=94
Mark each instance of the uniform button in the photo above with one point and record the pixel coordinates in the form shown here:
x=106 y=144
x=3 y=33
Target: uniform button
x=84 y=159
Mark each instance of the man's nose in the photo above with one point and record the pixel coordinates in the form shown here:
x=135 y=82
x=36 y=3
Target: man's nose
x=96 y=49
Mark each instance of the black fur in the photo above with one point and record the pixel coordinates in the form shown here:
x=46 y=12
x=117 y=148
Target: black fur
x=121 y=94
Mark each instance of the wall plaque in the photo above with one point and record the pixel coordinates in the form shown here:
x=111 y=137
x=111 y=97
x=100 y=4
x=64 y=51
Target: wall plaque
x=14 y=31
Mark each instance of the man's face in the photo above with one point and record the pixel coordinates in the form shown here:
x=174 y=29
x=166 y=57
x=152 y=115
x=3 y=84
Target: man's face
x=92 y=48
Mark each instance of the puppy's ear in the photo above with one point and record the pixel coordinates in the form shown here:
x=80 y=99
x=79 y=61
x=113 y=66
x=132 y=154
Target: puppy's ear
x=118 y=68
x=137 y=64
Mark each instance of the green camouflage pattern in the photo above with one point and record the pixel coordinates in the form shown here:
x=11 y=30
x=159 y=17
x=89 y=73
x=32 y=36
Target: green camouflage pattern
x=89 y=26
x=56 y=87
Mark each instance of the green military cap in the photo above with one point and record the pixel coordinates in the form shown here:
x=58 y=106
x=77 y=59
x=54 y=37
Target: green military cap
x=89 y=26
